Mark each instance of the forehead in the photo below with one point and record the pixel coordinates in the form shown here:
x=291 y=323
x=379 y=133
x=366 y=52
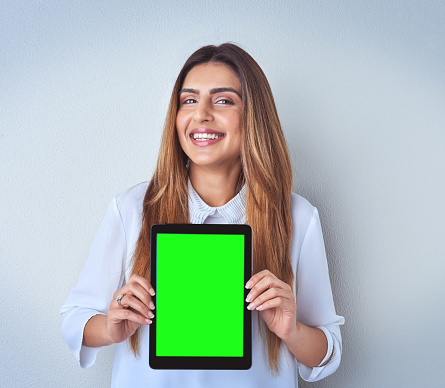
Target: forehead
x=211 y=75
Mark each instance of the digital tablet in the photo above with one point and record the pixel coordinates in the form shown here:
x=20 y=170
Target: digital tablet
x=199 y=273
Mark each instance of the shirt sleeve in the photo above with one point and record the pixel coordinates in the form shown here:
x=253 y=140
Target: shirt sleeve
x=315 y=305
x=101 y=276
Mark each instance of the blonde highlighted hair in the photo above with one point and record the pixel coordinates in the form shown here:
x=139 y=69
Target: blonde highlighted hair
x=266 y=170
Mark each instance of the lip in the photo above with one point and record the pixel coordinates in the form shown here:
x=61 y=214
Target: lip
x=204 y=143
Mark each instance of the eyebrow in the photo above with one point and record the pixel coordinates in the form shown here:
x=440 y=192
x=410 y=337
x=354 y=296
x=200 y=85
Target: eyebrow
x=211 y=91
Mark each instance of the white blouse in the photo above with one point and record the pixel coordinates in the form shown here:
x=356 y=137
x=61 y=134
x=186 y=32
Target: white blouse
x=109 y=266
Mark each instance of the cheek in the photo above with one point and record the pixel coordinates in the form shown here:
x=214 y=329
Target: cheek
x=182 y=120
x=232 y=121
x=234 y=146
x=180 y=129
x=178 y=122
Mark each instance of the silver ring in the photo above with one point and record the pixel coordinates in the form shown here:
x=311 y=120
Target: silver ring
x=118 y=300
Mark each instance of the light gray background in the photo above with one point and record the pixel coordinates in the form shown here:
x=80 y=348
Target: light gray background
x=360 y=89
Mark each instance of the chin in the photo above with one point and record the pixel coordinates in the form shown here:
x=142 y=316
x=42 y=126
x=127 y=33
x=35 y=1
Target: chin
x=203 y=162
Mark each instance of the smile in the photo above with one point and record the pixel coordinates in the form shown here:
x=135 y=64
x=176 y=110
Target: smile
x=199 y=136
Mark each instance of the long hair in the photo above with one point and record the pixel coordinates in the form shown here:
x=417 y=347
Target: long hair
x=266 y=170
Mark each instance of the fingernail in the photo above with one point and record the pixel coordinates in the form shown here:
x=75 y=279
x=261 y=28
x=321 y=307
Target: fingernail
x=249 y=298
x=259 y=307
x=150 y=314
x=250 y=306
x=249 y=284
x=152 y=292
x=151 y=305
x=148 y=321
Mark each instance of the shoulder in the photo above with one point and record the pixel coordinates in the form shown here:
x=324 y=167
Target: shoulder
x=125 y=212
x=303 y=213
x=132 y=197
x=302 y=210
x=135 y=193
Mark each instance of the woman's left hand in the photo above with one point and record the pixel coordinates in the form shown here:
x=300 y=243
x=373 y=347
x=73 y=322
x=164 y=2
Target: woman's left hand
x=275 y=301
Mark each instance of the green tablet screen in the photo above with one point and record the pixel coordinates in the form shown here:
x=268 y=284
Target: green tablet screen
x=199 y=295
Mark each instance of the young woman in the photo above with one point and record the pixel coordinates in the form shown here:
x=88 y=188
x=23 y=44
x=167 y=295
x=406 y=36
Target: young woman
x=223 y=159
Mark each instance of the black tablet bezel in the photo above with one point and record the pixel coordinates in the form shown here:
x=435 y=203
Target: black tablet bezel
x=236 y=363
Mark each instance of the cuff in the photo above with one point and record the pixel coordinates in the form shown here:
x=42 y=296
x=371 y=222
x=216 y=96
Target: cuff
x=73 y=326
x=311 y=374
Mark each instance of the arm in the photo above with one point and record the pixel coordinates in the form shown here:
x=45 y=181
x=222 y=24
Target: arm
x=311 y=332
x=276 y=303
x=314 y=298
x=308 y=345
x=95 y=333
x=123 y=319
x=102 y=275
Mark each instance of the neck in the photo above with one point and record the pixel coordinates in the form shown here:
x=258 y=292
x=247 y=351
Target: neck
x=216 y=187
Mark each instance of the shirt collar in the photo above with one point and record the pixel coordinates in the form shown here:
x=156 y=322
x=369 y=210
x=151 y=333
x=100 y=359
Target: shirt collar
x=234 y=211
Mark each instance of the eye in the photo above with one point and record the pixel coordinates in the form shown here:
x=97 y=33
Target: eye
x=189 y=101
x=224 y=101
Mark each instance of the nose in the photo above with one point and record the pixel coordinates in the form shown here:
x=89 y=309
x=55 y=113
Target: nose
x=203 y=111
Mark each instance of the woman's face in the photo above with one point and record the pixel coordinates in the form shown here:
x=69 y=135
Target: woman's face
x=209 y=116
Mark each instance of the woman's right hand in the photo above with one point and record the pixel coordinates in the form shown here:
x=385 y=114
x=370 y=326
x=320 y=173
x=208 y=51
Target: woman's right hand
x=135 y=309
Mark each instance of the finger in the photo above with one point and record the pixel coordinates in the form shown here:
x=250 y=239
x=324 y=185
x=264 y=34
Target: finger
x=118 y=315
x=267 y=282
x=272 y=303
x=129 y=301
x=138 y=291
x=143 y=282
x=270 y=294
x=257 y=277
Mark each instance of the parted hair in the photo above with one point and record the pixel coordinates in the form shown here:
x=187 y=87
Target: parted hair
x=266 y=171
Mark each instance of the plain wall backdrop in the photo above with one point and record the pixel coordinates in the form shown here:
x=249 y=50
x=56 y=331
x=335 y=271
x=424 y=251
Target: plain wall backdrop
x=360 y=90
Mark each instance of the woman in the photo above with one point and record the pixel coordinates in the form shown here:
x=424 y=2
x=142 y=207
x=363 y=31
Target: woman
x=223 y=159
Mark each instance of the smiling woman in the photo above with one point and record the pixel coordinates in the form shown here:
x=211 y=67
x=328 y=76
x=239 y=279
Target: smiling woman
x=223 y=159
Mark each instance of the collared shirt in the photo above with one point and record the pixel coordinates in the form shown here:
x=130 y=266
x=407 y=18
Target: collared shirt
x=233 y=212
x=109 y=266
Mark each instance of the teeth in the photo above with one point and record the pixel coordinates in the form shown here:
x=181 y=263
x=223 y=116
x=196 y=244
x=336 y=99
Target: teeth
x=206 y=136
